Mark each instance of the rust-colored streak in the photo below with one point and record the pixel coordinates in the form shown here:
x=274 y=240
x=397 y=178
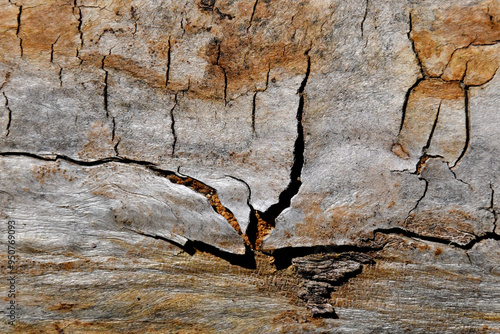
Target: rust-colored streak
x=458 y=48
x=264 y=228
x=150 y=76
x=49 y=28
x=436 y=37
x=436 y=88
x=212 y=197
x=237 y=59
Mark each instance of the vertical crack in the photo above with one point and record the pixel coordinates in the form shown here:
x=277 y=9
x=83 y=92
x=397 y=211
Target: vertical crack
x=286 y=196
x=422 y=75
x=113 y=136
x=253 y=112
x=419 y=200
x=223 y=71
x=492 y=208
x=105 y=89
x=52 y=49
x=10 y=114
x=255 y=227
x=422 y=72
x=252 y=15
x=467 y=127
x=364 y=19
x=79 y=27
x=225 y=85
x=428 y=144
x=172 y=125
x=60 y=76
x=19 y=28
x=167 y=74
x=254 y=101
x=405 y=103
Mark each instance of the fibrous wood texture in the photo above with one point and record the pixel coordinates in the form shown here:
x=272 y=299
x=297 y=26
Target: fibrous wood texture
x=250 y=166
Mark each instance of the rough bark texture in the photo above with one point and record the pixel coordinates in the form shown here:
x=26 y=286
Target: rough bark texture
x=250 y=166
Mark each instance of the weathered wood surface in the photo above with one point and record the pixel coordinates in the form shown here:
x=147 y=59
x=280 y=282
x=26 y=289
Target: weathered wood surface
x=250 y=166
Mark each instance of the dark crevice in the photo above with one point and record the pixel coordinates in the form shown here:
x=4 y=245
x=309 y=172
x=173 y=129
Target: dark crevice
x=252 y=15
x=422 y=75
x=409 y=234
x=80 y=22
x=52 y=49
x=492 y=208
x=105 y=88
x=428 y=144
x=186 y=247
x=113 y=129
x=79 y=27
x=225 y=85
x=252 y=230
x=9 y=121
x=172 y=126
x=467 y=127
x=419 y=200
x=421 y=162
x=246 y=260
x=223 y=71
x=167 y=74
x=253 y=111
x=115 y=147
x=467 y=112
x=422 y=72
x=405 y=103
x=293 y=187
x=84 y=163
x=113 y=137
x=60 y=77
x=19 y=28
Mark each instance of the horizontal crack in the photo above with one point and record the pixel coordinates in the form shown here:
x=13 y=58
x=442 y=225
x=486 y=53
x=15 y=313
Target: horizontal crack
x=409 y=234
x=246 y=260
x=193 y=184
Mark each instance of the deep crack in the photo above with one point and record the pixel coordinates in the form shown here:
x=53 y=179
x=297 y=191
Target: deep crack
x=105 y=88
x=492 y=208
x=19 y=28
x=172 y=126
x=7 y=128
x=293 y=187
x=167 y=74
x=428 y=144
